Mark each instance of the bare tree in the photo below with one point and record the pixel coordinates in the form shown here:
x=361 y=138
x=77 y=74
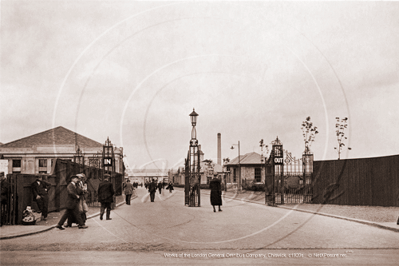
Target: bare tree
x=340 y=126
x=309 y=132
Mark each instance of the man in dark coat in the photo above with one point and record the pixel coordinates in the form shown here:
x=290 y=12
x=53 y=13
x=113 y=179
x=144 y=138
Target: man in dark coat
x=72 y=202
x=40 y=194
x=152 y=188
x=170 y=187
x=160 y=186
x=106 y=196
x=216 y=193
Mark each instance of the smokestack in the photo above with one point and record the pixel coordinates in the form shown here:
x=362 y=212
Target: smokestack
x=219 y=149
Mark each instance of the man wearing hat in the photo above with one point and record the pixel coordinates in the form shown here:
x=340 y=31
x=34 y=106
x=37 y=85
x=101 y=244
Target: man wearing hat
x=106 y=196
x=152 y=188
x=128 y=191
x=72 y=203
x=40 y=194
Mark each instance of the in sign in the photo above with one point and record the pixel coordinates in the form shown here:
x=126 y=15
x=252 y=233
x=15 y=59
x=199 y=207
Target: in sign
x=107 y=161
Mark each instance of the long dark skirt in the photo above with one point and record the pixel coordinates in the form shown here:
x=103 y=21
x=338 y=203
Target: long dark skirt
x=216 y=198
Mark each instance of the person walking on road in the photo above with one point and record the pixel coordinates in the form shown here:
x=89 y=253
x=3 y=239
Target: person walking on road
x=72 y=211
x=106 y=196
x=160 y=186
x=152 y=188
x=81 y=189
x=170 y=187
x=128 y=191
x=40 y=194
x=216 y=193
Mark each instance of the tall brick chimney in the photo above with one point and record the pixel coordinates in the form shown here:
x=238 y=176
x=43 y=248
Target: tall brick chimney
x=219 y=149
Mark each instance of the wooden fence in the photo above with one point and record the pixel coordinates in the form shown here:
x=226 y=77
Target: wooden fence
x=20 y=194
x=367 y=181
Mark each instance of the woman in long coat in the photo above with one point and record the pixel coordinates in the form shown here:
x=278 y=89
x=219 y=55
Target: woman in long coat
x=216 y=193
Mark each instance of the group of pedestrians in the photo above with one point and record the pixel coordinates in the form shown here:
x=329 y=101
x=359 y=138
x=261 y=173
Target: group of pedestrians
x=72 y=213
x=76 y=206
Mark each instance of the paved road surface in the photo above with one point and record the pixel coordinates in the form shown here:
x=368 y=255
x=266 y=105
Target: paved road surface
x=161 y=232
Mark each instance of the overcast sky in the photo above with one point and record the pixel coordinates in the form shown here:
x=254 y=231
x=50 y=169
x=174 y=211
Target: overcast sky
x=134 y=71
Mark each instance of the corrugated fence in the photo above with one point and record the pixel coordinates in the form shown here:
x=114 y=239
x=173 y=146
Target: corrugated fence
x=366 y=181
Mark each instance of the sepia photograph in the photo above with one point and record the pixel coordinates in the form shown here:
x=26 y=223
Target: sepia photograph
x=199 y=132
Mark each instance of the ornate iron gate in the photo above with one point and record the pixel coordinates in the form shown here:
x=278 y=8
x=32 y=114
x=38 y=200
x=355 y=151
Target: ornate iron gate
x=288 y=180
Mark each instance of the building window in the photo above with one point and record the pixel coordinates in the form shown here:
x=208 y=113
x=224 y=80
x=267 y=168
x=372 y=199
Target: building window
x=42 y=162
x=16 y=166
x=94 y=163
x=16 y=163
x=258 y=177
x=234 y=175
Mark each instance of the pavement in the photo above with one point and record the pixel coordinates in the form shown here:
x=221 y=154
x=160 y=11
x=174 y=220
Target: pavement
x=13 y=231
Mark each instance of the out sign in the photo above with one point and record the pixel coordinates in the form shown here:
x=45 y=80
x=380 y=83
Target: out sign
x=278 y=160
x=107 y=161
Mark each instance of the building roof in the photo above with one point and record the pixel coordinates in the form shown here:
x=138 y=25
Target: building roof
x=147 y=172
x=56 y=136
x=249 y=158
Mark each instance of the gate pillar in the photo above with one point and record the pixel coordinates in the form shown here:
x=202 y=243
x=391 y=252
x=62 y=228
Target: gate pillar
x=307 y=159
x=274 y=179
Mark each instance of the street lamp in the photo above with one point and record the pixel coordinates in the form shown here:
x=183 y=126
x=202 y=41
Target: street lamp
x=193 y=177
x=193 y=118
x=239 y=165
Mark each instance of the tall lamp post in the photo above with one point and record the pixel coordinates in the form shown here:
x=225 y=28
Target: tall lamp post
x=239 y=189
x=193 y=176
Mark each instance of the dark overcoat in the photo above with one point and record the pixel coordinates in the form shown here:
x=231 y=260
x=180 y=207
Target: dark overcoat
x=41 y=189
x=72 y=199
x=152 y=187
x=106 y=192
x=216 y=192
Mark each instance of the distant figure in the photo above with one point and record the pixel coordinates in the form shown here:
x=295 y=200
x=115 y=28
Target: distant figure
x=216 y=193
x=152 y=188
x=71 y=205
x=106 y=196
x=5 y=186
x=170 y=187
x=128 y=191
x=160 y=186
x=40 y=194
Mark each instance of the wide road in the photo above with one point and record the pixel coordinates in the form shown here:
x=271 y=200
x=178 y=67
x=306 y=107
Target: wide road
x=167 y=232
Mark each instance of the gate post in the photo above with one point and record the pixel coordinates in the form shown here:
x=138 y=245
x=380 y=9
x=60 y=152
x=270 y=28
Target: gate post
x=307 y=158
x=278 y=166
